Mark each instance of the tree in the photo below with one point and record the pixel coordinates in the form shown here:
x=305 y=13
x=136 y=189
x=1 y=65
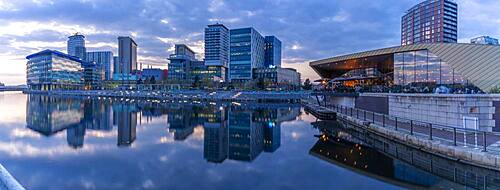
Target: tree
x=196 y=81
x=152 y=80
x=307 y=85
x=495 y=90
x=261 y=84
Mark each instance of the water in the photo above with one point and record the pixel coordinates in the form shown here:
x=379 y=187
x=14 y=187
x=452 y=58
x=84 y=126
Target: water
x=77 y=143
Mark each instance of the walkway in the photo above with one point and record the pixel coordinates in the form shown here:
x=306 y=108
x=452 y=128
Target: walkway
x=485 y=141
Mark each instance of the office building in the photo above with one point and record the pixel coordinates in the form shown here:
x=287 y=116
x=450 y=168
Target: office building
x=217 y=49
x=246 y=54
x=439 y=63
x=182 y=63
x=76 y=46
x=53 y=70
x=429 y=22
x=154 y=74
x=116 y=66
x=272 y=55
x=485 y=40
x=278 y=78
x=127 y=59
x=92 y=76
x=105 y=61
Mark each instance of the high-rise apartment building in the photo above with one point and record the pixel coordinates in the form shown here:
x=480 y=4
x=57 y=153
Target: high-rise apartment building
x=430 y=21
x=127 y=55
x=486 y=40
x=246 y=53
x=216 y=45
x=76 y=46
x=104 y=60
x=272 y=50
x=217 y=49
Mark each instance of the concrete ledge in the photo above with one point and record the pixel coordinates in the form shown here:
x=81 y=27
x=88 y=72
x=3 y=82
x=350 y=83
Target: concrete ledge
x=7 y=181
x=462 y=154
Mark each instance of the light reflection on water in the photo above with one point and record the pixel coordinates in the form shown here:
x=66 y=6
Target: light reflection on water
x=74 y=143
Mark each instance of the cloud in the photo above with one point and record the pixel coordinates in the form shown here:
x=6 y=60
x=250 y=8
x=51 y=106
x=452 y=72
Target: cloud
x=341 y=16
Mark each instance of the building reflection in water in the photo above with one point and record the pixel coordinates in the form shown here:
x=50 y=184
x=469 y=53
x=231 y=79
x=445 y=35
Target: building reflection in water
x=49 y=115
x=230 y=132
x=246 y=133
x=342 y=149
x=125 y=117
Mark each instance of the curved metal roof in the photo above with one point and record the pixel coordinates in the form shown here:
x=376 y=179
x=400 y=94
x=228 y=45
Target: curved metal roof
x=480 y=64
x=58 y=53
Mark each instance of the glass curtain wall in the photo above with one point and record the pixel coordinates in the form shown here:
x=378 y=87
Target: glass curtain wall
x=423 y=66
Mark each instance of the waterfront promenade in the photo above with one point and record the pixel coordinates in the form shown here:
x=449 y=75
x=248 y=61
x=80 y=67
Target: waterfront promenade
x=189 y=95
x=475 y=147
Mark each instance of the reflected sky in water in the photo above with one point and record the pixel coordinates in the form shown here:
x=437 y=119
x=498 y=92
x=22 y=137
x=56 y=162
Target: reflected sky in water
x=74 y=143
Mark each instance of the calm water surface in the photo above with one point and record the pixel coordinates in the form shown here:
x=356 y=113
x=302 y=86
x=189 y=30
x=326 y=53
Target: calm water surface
x=75 y=143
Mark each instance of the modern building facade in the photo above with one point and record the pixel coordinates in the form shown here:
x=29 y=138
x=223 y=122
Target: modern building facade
x=105 y=61
x=217 y=49
x=92 y=76
x=181 y=63
x=438 y=63
x=486 y=40
x=272 y=55
x=278 y=78
x=127 y=57
x=430 y=21
x=76 y=46
x=53 y=70
x=246 y=53
x=154 y=74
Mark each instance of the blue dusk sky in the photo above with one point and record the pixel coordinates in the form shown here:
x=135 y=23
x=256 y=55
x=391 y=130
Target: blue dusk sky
x=309 y=30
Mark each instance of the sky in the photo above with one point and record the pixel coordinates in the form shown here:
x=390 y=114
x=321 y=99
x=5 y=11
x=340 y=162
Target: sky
x=309 y=30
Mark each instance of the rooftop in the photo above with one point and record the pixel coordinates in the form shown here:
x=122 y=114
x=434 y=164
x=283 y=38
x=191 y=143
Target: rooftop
x=58 y=53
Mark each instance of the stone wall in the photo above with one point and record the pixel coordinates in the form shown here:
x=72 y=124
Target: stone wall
x=443 y=109
x=343 y=101
x=378 y=104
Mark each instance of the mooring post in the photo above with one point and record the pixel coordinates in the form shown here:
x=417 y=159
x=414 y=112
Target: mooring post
x=430 y=131
x=383 y=120
x=484 y=141
x=396 y=124
x=411 y=127
x=454 y=136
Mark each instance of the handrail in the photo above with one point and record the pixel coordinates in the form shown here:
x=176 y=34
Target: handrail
x=424 y=128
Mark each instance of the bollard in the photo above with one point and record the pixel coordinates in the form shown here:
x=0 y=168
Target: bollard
x=383 y=120
x=373 y=117
x=430 y=131
x=364 y=115
x=396 y=124
x=484 y=141
x=411 y=127
x=454 y=136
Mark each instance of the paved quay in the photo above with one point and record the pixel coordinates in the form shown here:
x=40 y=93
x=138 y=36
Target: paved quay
x=478 y=148
x=191 y=95
x=7 y=182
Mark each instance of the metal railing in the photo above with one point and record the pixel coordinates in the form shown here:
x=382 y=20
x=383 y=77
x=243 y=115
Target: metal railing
x=447 y=134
